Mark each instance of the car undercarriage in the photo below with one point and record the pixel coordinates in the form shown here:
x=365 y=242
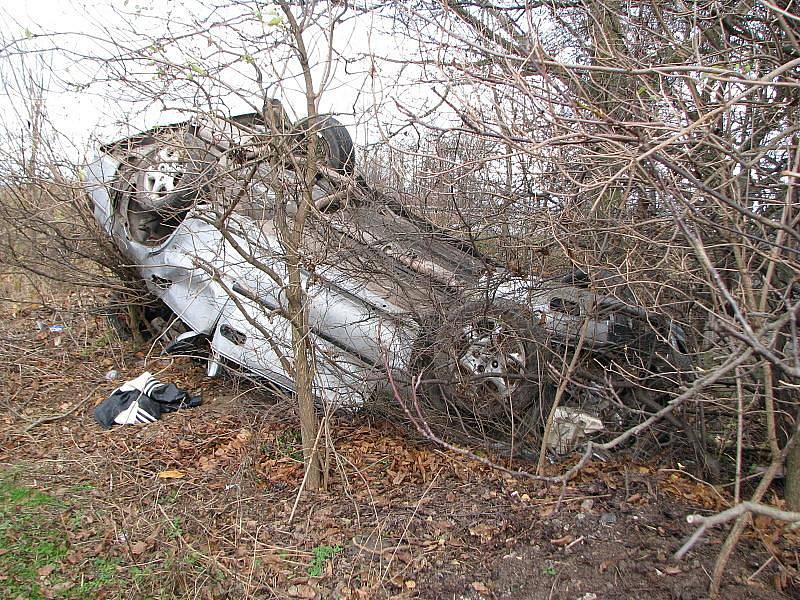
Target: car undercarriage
x=393 y=301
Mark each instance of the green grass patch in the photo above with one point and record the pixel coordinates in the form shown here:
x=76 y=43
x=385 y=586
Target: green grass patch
x=105 y=571
x=289 y=444
x=106 y=339
x=54 y=548
x=321 y=555
x=174 y=530
x=29 y=538
x=169 y=498
x=34 y=531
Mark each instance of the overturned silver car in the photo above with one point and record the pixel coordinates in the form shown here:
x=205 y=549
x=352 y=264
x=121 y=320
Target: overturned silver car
x=195 y=206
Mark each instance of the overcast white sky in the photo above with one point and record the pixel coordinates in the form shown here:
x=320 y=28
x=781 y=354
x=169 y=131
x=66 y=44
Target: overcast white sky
x=106 y=110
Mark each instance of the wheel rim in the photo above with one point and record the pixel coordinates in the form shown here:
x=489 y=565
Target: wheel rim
x=489 y=366
x=164 y=176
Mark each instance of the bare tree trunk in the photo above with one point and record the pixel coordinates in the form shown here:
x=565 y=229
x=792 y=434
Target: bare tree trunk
x=35 y=118
x=304 y=377
x=792 y=476
x=301 y=340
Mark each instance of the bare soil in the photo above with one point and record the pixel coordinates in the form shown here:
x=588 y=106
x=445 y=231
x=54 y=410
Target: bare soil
x=202 y=503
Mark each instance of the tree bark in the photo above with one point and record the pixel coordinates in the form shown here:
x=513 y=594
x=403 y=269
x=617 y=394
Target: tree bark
x=792 y=473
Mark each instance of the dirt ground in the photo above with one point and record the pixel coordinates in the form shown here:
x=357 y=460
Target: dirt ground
x=204 y=503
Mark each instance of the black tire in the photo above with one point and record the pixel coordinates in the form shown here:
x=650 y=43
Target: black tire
x=337 y=145
x=504 y=404
x=605 y=282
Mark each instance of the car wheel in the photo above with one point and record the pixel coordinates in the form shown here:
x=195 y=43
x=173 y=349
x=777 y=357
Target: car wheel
x=485 y=372
x=337 y=145
x=605 y=281
x=172 y=172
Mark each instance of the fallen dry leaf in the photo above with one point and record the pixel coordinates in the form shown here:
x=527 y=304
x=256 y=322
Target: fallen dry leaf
x=46 y=570
x=562 y=541
x=482 y=530
x=171 y=474
x=139 y=547
x=302 y=591
x=480 y=587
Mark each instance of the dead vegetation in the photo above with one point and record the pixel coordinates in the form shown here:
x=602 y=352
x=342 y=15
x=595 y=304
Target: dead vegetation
x=199 y=504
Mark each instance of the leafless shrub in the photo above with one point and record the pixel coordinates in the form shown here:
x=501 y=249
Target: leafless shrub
x=656 y=145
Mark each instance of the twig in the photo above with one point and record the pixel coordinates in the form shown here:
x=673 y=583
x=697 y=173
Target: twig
x=730 y=514
x=572 y=543
x=741 y=521
x=382 y=551
x=761 y=568
x=566 y=377
x=424 y=429
x=51 y=418
x=722 y=498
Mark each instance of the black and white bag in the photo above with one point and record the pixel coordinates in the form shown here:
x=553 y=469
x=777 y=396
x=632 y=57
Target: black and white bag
x=142 y=400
